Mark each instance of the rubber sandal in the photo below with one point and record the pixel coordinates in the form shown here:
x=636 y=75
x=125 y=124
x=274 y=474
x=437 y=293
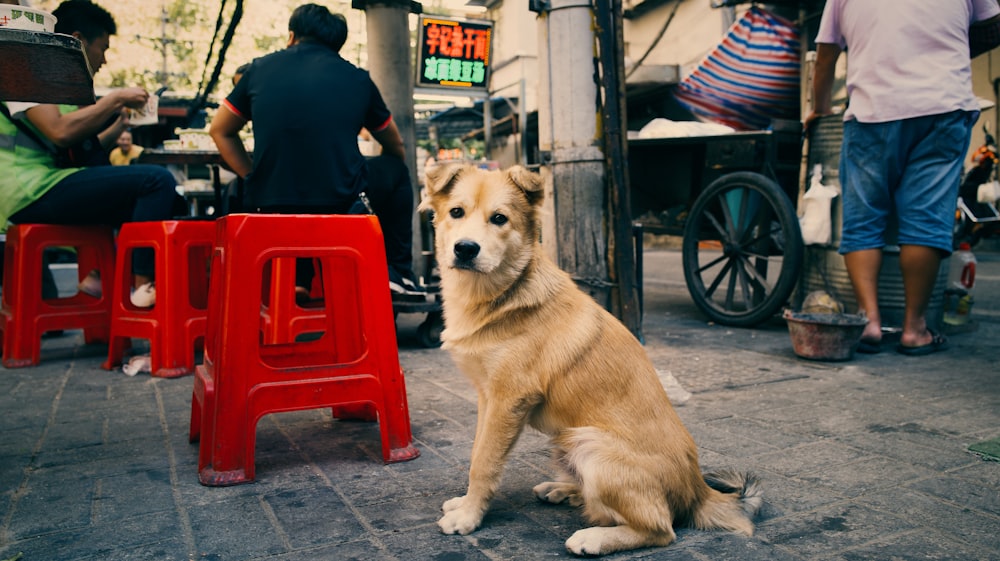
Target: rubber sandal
x=938 y=343
x=870 y=347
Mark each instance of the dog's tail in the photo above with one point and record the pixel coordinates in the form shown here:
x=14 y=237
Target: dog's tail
x=731 y=503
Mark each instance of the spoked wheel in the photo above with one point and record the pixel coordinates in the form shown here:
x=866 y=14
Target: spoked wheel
x=429 y=331
x=742 y=249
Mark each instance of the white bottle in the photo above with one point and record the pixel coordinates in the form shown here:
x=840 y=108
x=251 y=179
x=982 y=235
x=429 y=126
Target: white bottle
x=962 y=273
x=961 y=280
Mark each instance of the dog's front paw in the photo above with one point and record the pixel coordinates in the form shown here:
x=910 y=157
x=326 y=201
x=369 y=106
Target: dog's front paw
x=459 y=519
x=452 y=504
x=556 y=492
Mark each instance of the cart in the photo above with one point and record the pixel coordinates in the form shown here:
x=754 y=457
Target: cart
x=730 y=197
x=429 y=330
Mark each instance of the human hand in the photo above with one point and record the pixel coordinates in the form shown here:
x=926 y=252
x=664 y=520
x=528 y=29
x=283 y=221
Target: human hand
x=132 y=98
x=812 y=118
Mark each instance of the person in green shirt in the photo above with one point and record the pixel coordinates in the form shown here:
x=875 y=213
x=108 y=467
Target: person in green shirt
x=33 y=189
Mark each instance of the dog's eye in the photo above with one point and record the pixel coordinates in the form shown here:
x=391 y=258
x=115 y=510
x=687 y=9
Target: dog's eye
x=457 y=212
x=498 y=219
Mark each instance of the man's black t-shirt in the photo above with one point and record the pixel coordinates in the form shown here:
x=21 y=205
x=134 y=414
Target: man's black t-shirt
x=307 y=105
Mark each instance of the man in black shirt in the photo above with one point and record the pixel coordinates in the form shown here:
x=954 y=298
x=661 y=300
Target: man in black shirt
x=308 y=106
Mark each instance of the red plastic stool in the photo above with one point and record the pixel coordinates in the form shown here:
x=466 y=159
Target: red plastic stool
x=351 y=366
x=25 y=315
x=282 y=317
x=176 y=324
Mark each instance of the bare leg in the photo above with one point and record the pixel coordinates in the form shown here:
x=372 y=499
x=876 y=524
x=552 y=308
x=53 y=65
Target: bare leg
x=919 y=266
x=863 y=268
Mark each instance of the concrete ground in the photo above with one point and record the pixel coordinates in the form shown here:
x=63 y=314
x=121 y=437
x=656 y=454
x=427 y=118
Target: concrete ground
x=865 y=459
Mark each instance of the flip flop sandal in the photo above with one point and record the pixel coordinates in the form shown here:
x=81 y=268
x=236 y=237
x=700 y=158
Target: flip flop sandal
x=938 y=343
x=870 y=347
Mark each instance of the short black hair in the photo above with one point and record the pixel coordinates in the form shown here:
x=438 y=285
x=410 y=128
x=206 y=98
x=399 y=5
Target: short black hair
x=311 y=22
x=84 y=17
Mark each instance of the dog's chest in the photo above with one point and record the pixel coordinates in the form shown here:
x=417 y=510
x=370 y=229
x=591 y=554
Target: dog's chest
x=472 y=366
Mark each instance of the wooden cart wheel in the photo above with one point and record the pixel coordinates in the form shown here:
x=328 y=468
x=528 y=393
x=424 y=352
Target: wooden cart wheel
x=742 y=249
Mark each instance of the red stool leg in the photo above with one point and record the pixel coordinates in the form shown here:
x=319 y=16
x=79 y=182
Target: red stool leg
x=22 y=286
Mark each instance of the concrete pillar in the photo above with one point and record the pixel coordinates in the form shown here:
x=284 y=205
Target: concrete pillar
x=390 y=66
x=575 y=230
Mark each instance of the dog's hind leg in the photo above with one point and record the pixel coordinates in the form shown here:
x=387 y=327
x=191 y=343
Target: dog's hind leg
x=603 y=540
x=566 y=487
x=556 y=492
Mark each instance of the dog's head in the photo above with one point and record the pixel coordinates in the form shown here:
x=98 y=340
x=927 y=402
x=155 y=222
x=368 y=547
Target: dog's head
x=485 y=222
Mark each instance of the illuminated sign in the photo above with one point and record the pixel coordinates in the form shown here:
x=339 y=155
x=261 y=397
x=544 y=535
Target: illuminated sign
x=454 y=53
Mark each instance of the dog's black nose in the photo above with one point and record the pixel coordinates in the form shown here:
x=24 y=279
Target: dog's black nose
x=466 y=250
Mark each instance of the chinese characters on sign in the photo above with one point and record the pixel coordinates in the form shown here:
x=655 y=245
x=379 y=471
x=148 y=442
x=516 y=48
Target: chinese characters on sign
x=454 y=53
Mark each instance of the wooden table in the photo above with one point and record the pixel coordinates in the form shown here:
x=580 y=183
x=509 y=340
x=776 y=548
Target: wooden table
x=44 y=68
x=210 y=158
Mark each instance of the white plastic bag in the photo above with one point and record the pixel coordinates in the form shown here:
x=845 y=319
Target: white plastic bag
x=137 y=364
x=816 y=221
x=988 y=192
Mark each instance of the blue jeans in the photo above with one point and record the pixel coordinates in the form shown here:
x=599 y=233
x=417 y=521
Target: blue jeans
x=911 y=167
x=109 y=195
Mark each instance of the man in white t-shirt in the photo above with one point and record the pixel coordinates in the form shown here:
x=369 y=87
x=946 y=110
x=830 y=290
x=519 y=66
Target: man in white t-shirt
x=906 y=130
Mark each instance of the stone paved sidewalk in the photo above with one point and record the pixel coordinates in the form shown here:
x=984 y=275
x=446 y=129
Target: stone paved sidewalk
x=865 y=459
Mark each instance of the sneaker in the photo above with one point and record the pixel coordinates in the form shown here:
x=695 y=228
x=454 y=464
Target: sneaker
x=91 y=284
x=144 y=296
x=404 y=285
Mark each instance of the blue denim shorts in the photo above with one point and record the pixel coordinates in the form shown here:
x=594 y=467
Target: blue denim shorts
x=911 y=168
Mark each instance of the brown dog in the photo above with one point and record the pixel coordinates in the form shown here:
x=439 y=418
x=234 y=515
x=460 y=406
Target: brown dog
x=543 y=353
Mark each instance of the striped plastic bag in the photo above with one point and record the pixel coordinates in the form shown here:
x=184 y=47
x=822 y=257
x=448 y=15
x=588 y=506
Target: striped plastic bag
x=751 y=77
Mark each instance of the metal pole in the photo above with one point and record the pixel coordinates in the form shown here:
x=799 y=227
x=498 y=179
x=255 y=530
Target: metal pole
x=487 y=123
x=623 y=254
x=522 y=122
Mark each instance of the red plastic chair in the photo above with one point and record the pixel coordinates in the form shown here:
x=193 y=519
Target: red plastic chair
x=176 y=324
x=25 y=315
x=351 y=365
x=282 y=317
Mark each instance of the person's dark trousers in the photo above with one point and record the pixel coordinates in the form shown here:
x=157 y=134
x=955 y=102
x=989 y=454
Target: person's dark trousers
x=391 y=195
x=391 y=198
x=109 y=195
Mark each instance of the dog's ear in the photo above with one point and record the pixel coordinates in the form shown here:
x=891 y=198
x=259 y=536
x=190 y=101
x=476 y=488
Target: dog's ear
x=441 y=176
x=438 y=180
x=529 y=182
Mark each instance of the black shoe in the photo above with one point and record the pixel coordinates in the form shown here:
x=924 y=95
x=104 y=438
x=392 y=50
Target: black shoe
x=404 y=284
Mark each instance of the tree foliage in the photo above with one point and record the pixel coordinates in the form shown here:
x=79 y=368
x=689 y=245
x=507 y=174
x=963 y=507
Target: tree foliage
x=166 y=42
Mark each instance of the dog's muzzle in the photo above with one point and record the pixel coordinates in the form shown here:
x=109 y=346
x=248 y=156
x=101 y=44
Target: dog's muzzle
x=465 y=253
